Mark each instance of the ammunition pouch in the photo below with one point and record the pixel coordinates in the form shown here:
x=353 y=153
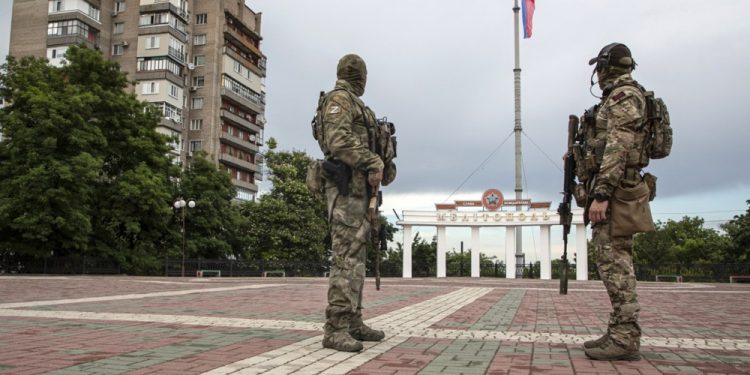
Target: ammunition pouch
x=631 y=212
x=314 y=180
x=340 y=173
x=650 y=181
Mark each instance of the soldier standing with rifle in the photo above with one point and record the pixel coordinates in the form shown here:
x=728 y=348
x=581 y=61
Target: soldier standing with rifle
x=358 y=158
x=616 y=140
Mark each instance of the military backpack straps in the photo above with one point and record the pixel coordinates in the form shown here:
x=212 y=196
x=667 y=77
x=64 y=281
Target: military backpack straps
x=659 y=142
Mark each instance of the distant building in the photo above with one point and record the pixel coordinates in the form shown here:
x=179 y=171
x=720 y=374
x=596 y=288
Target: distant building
x=198 y=61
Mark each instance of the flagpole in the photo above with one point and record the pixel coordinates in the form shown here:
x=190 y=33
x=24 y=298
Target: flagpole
x=517 y=130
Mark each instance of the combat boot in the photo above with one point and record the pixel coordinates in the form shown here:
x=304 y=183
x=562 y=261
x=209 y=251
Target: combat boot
x=610 y=351
x=365 y=333
x=598 y=342
x=341 y=341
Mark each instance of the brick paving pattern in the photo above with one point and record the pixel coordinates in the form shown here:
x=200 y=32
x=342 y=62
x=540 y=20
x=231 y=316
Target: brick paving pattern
x=137 y=325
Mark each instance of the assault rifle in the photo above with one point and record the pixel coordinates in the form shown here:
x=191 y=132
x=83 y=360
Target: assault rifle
x=376 y=229
x=564 y=210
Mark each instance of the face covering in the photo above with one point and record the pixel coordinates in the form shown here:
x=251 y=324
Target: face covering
x=352 y=69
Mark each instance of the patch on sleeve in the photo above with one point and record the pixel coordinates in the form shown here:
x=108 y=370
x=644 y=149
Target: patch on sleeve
x=618 y=96
x=334 y=109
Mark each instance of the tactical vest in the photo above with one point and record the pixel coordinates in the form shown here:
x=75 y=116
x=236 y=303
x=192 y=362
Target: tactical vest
x=362 y=125
x=593 y=132
x=377 y=134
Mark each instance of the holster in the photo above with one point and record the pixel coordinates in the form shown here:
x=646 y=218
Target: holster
x=340 y=173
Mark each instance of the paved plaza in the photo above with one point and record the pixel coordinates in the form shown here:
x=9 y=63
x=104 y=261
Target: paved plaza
x=138 y=325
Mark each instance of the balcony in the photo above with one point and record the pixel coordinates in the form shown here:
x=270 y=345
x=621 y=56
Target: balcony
x=158 y=75
x=163 y=29
x=62 y=40
x=256 y=69
x=76 y=14
x=237 y=120
x=170 y=124
x=239 y=142
x=239 y=163
x=160 y=68
x=156 y=7
x=247 y=185
x=250 y=104
x=177 y=55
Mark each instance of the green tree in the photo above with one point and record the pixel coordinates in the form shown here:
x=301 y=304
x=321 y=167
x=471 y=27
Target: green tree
x=458 y=264
x=289 y=223
x=386 y=266
x=424 y=257
x=83 y=169
x=738 y=233
x=685 y=242
x=214 y=228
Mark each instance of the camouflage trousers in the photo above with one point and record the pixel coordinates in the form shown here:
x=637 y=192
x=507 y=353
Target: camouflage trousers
x=350 y=231
x=614 y=261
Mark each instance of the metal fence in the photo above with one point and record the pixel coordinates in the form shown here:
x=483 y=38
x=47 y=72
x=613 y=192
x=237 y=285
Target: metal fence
x=59 y=265
x=231 y=268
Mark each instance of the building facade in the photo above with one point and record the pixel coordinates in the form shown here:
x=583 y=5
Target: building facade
x=198 y=61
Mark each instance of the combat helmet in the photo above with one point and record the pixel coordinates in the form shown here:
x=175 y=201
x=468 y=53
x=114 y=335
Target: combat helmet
x=615 y=55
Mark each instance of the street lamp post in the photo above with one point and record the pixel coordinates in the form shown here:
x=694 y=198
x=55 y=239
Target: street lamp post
x=182 y=205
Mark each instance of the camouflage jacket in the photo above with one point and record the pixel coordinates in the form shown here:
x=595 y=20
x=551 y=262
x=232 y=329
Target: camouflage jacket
x=347 y=124
x=622 y=114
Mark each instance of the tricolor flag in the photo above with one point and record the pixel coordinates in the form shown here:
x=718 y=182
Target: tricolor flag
x=527 y=9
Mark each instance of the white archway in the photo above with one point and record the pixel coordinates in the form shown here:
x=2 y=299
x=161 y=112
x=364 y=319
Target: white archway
x=449 y=216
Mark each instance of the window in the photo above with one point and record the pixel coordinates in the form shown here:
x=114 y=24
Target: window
x=58 y=5
x=196 y=124
x=155 y=19
x=158 y=63
x=120 y=6
x=197 y=103
x=150 y=88
x=199 y=39
x=195 y=146
x=152 y=42
x=92 y=12
x=119 y=28
x=199 y=81
x=171 y=112
x=172 y=90
x=201 y=19
x=54 y=54
x=237 y=67
x=243 y=90
x=73 y=27
x=117 y=49
x=199 y=60
x=176 y=49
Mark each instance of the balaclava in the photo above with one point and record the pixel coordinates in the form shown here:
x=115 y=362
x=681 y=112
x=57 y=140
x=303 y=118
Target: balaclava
x=353 y=70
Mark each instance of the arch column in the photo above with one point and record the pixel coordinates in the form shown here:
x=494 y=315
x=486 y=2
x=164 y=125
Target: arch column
x=407 y=263
x=510 y=252
x=582 y=253
x=545 y=261
x=475 y=266
x=441 y=250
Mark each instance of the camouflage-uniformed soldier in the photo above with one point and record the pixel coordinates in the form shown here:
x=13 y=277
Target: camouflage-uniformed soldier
x=348 y=132
x=616 y=143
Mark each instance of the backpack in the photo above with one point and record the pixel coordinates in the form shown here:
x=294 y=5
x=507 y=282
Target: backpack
x=659 y=137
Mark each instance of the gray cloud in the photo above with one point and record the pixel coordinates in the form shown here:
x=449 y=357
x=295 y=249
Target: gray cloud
x=442 y=71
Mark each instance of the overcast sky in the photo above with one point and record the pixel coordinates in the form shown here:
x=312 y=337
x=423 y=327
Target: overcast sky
x=441 y=70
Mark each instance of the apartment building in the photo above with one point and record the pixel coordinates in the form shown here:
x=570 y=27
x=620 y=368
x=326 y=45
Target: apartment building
x=198 y=61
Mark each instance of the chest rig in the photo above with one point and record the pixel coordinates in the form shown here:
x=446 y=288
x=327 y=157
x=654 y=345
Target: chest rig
x=589 y=154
